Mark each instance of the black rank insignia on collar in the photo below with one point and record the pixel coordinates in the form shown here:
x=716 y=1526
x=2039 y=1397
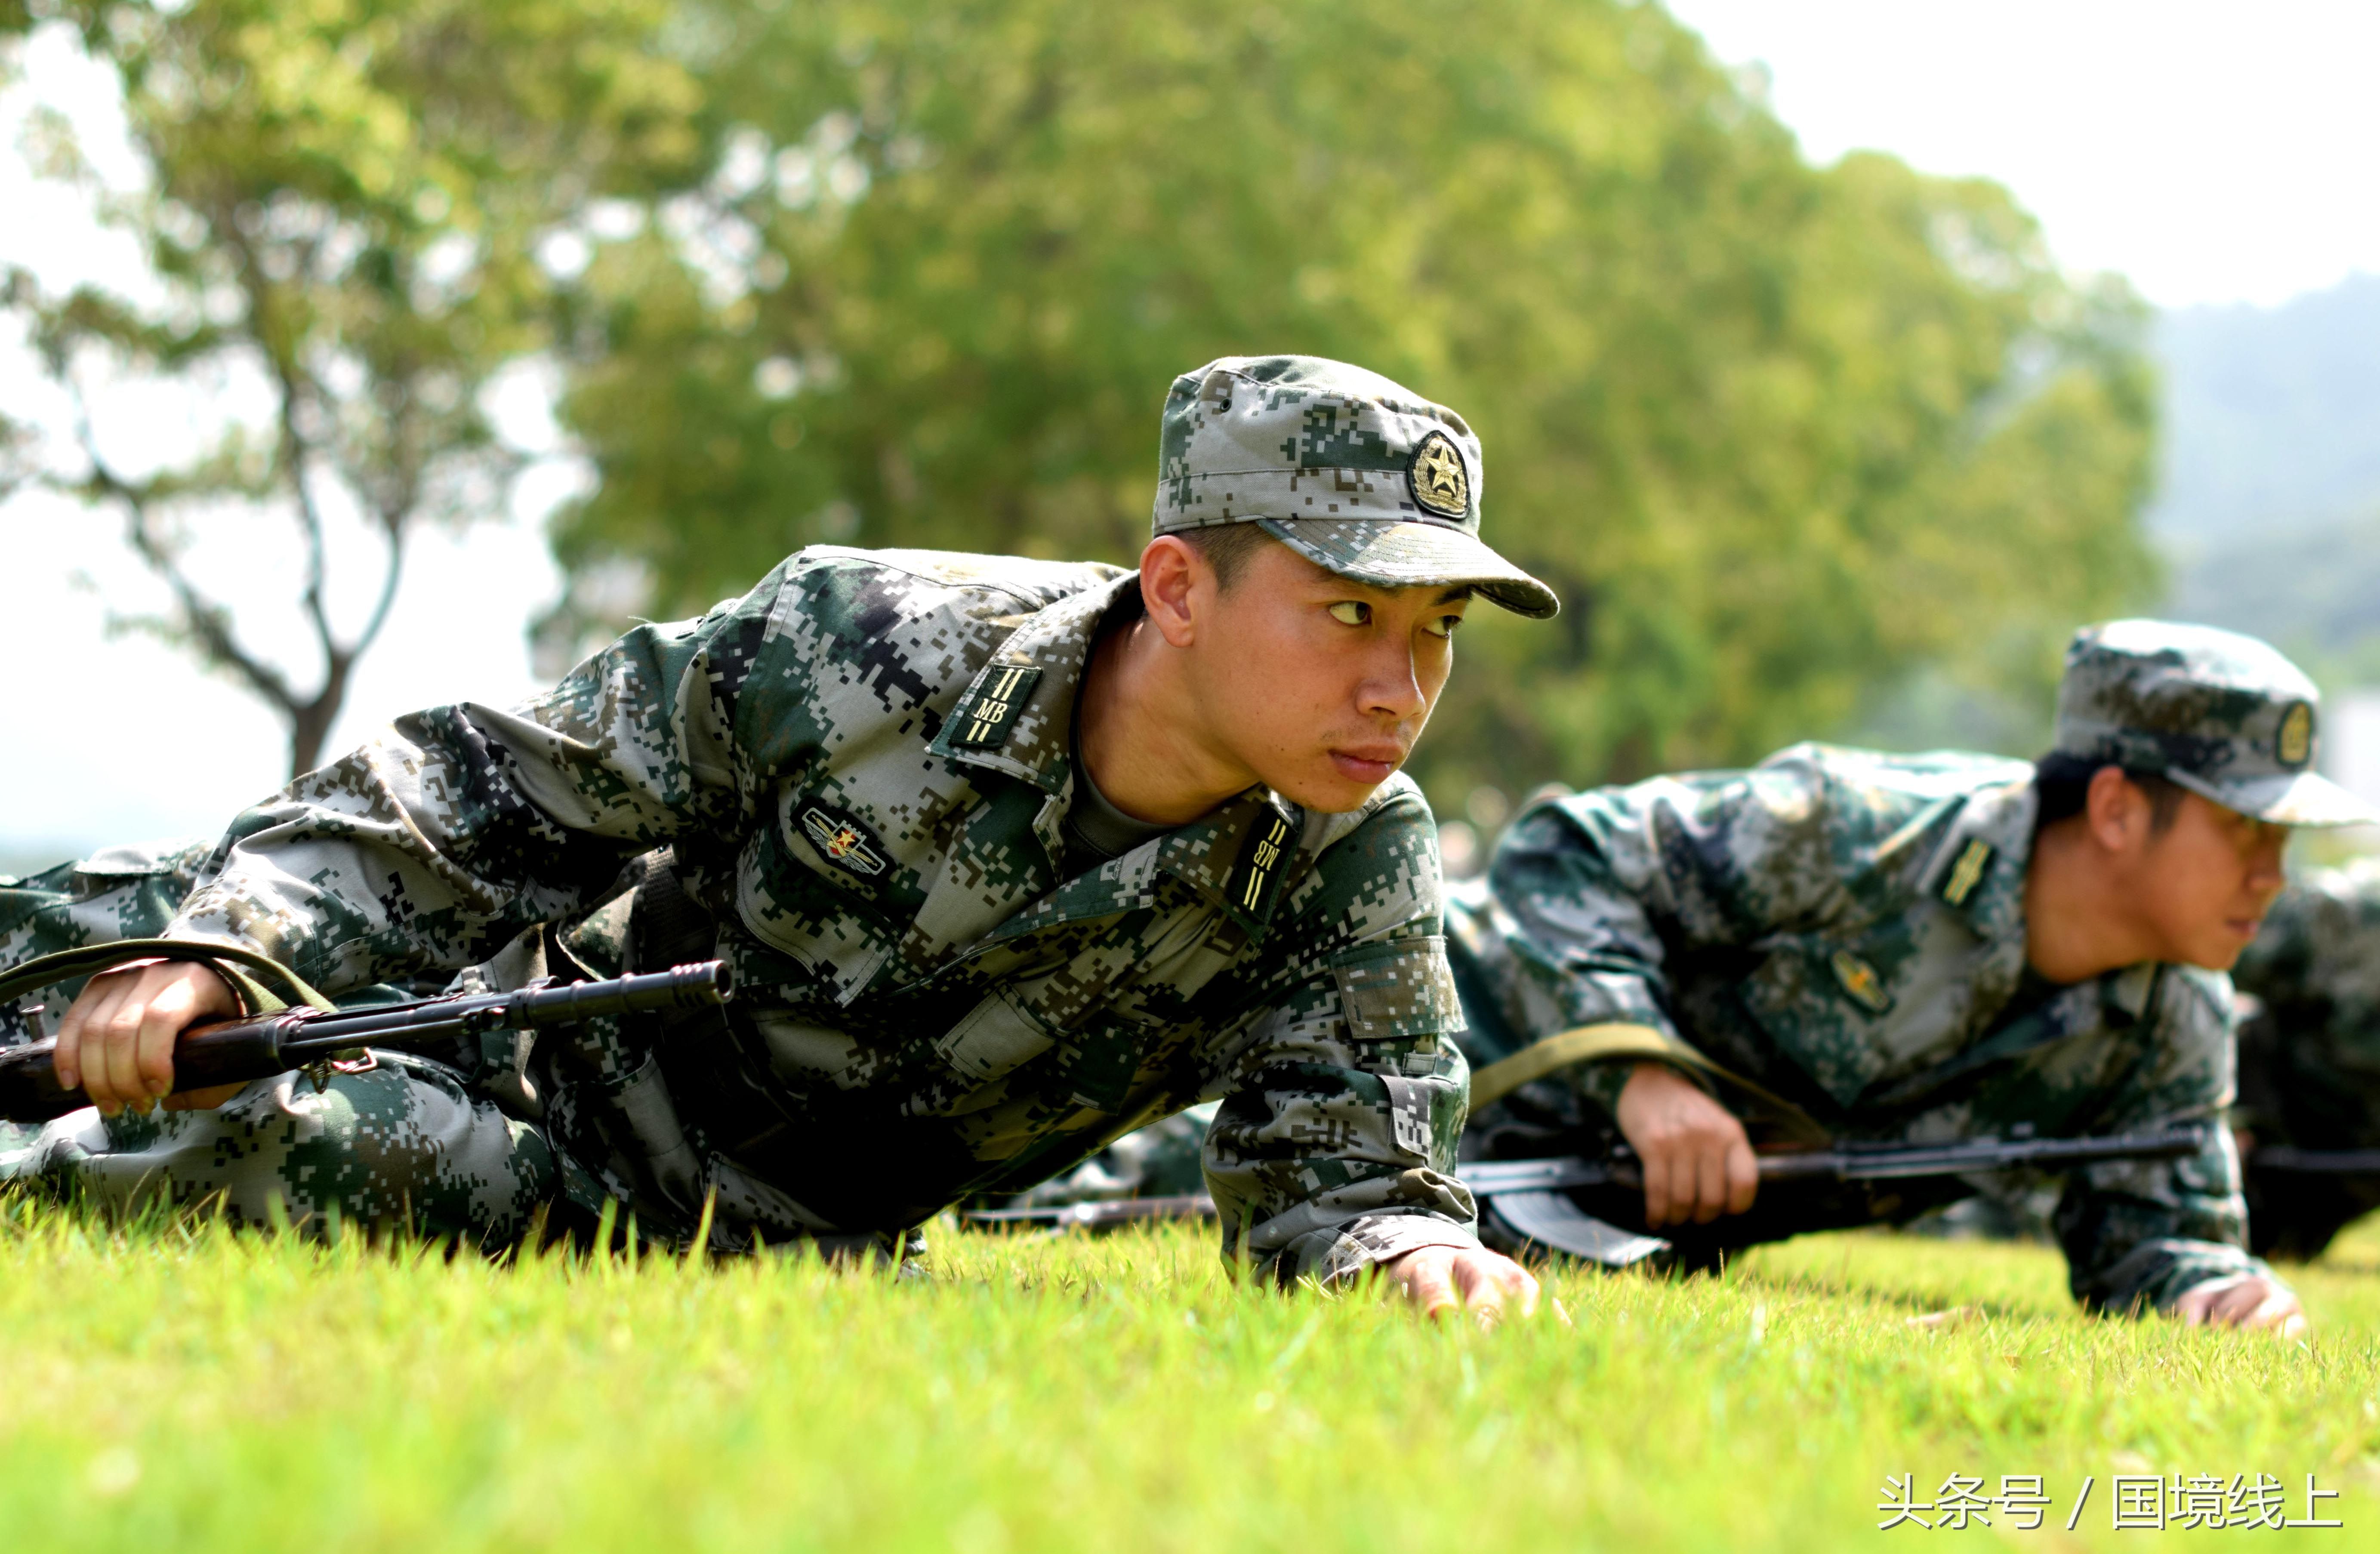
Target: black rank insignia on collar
x=1251 y=881
x=1001 y=692
x=1968 y=872
x=843 y=840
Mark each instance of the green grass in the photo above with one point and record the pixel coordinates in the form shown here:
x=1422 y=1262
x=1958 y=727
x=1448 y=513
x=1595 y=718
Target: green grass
x=180 y=1388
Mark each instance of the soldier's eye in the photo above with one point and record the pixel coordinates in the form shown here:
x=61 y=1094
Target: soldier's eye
x=1443 y=625
x=1350 y=611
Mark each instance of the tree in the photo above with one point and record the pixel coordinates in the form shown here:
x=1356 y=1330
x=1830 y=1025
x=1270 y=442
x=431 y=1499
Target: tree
x=341 y=215
x=1781 y=435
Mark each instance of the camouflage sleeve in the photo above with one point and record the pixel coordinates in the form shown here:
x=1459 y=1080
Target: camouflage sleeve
x=2137 y=1234
x=1333 y=1147
x=121 y=893
x=439 y=842
x=1594 y=883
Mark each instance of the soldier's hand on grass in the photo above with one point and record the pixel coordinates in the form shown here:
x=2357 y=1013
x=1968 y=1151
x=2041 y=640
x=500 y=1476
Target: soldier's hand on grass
x=1698 y=1164
x=1486 y=1284
x=2243 y=1300
x=117 y=1040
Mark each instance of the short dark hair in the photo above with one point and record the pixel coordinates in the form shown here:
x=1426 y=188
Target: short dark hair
x=2063 y=780
x=1228 y=548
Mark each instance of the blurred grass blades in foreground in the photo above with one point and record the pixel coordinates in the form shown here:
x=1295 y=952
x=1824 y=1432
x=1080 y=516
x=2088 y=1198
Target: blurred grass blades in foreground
x=174 y=1385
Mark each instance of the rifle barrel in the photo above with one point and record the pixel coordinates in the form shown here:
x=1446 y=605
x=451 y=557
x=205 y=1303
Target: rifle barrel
x=2315 y=1162
x=234 y=1051
x=1491 y=1178
x=1099 y=1215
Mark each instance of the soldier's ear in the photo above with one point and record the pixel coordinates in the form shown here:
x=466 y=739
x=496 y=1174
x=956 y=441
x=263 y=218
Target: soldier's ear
x=1176 y=585
x=2117 y=810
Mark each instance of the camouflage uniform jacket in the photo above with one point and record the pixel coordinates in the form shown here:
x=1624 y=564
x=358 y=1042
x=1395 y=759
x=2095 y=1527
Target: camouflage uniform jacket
x=2309 y=1058
x=862 y=766
x=1847 y=930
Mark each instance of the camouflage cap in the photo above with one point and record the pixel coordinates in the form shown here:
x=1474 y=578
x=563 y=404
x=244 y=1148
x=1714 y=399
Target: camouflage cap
x=1340 y=465
x=2222 y=715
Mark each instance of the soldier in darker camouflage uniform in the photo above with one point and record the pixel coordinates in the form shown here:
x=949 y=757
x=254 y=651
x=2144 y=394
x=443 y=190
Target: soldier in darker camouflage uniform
x=2309 y=1058
x=963 y=965
x=1919 y=949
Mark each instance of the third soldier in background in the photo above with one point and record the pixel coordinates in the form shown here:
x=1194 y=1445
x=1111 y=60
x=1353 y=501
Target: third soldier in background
x=2310 y=1060
x=1919 y=949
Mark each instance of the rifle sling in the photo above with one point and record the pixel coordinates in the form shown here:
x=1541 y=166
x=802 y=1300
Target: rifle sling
x=1597 y=1043
x=233 y=962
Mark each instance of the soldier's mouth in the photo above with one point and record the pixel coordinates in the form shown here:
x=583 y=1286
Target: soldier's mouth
x=1368 y=763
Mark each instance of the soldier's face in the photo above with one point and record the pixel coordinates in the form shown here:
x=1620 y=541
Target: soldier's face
x=1318 y=684
x=2205 y=883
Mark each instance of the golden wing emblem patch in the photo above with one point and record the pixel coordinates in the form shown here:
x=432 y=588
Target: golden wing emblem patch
x=843 y=842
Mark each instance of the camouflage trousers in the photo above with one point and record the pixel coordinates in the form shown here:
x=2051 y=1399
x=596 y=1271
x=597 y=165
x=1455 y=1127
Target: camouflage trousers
x=403 y=1146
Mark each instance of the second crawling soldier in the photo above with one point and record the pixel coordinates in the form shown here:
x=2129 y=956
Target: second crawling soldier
x=2310 y=1060
x=1888 y=949
x=1007 y=857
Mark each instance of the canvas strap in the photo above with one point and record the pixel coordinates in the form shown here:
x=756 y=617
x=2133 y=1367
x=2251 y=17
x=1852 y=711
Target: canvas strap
x=1598 y=1043
x=247 y=970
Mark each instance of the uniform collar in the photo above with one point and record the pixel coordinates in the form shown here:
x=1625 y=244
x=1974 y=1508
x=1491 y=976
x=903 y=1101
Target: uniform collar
x=1240 y=856
x=2003 y=819
x=1051 y=646
x=1992 y=843
x=1237 y=854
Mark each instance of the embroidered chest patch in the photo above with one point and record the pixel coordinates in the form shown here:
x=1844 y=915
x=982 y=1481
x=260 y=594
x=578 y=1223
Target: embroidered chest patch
x=844 y=840
x=1860 y=981
x=990 y=717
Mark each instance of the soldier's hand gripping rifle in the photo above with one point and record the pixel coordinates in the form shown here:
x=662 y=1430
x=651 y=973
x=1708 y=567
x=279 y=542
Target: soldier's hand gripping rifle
x=256 y=1047
x=1530 y=1196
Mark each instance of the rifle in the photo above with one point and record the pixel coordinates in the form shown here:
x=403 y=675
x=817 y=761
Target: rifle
x=1100 y=1216
x=234 y=1051
x=2313 y=1162
x=1530 y=1196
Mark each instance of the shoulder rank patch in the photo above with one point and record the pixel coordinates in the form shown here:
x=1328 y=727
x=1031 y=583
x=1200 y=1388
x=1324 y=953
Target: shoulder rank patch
x=1252 y=878
x=1860 y=981
x=844 y=840
x=1968 y=872
x=990 y=715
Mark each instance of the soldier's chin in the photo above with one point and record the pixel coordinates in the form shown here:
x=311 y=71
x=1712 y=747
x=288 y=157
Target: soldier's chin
x=1320 y=786
x=2214 y=955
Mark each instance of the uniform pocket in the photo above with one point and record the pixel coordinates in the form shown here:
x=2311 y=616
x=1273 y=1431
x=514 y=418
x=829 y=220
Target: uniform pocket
x=1402 y=987
x=995 y=1036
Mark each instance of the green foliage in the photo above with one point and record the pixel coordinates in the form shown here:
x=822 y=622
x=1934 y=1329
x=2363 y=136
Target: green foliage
x=178 y=1387
x=1781 y=435
x=339 y=211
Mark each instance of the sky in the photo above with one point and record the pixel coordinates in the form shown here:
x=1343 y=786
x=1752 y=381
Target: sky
x=2213 y=154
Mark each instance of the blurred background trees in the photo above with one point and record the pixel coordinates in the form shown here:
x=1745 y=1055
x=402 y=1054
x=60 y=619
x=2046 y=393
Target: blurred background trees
x=336 y=209
x=1795 y=443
